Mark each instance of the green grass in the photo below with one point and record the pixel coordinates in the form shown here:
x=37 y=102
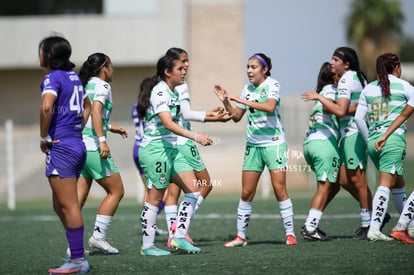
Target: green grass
x=32 y=240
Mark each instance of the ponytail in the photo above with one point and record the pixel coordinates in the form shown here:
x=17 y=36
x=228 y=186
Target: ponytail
x=93 y=66
x=386 y=64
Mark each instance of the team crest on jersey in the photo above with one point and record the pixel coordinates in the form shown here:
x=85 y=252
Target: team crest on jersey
x=263 y=93
x=162 y=179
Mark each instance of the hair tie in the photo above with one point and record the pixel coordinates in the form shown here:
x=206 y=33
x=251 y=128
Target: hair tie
x=261 y=59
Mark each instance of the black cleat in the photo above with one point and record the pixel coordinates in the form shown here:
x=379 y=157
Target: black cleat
x=315 y=235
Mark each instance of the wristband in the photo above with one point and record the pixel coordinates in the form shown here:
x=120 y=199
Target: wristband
x=102 y=139
x=109 y=126
x=46 y=139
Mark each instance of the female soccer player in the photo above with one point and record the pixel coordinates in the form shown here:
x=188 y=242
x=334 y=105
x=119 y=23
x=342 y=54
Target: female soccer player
x=96 y=74
x=322 y=153
x=379 y=105
x=189 y=149
x=266 y=144
x=160 y=158
x=63 y=112
x=345 y=64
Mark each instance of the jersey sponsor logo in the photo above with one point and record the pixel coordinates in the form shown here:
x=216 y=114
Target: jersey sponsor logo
x=160 y=93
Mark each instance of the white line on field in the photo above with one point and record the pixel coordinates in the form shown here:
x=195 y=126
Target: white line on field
x=211 y=216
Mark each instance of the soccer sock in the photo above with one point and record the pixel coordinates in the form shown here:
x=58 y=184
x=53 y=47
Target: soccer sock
x=407 y=214
x=379 y=207
x=244 y=212
x=102 y=224
x=75 y=241
x=365 y=217
x=312 y=221
x=161 y=207
x=170 y=217
x=185 y=212
x=398 y=198
x=286 y=213
x=198 y=204
x=148 y=222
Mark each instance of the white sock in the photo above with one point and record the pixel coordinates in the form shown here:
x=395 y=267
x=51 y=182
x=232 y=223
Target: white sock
x=198 y=204
x=312 y=221
x=286 y=213
x=185 y=212
x=398 y=198
x=244 y=212
x=148 y=222
x=170 y=217
x=365 y=217
x=407 y=214
x=102 y=224
x=379 y=207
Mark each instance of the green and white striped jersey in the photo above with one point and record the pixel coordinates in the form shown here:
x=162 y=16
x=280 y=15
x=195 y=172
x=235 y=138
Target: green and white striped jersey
x=349 y=87
x=381 y=112
x=162 y=100
x=97 y=90
x=264 y=128
x=323 y=125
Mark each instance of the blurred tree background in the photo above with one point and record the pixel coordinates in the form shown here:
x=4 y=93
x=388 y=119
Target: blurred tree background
x=375 y=27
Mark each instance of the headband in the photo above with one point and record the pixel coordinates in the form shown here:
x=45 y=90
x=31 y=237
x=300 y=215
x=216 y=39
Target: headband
x=261 y=59
x=340 y=56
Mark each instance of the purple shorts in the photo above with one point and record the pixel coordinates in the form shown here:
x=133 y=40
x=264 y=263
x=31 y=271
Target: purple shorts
x=66 y=158
x=135 y=155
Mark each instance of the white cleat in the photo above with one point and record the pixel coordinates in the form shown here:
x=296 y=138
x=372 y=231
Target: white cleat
x=376 y=235
x=102 y=245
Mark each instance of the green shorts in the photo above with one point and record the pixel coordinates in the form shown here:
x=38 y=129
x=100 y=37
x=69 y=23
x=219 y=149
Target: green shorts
x=323 y=157
x=97 y=168
x=159 y=160
x=191 y=154
x=354 y=152
x=274 y=157
x=391 y=157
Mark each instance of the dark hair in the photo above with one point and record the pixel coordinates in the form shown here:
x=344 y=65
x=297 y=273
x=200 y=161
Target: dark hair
x=175 y=52
x=166 y=62
x=325 y=77
x=93 y=66
x=349 y=55
x=56 y=52
x=264 y=60
x=386 y=64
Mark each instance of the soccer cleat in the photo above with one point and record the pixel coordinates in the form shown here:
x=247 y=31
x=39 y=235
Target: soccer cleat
x=173 y=227
x=154 y=251
x=361 y=234
x=315 y=235
x=79 y=266
x=387 y=218
x=237 y=241
x=102 y=245
x=402 y=235
x=291 y=240
x=184 y=245
x=376 y=235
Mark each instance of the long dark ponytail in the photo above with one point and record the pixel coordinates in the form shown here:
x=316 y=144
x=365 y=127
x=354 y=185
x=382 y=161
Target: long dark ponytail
x=386 y=64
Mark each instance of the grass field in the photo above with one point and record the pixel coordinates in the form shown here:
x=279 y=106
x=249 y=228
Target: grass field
x=32 y=240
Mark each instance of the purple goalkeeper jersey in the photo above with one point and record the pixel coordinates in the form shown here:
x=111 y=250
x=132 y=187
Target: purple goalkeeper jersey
x=68 y=108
